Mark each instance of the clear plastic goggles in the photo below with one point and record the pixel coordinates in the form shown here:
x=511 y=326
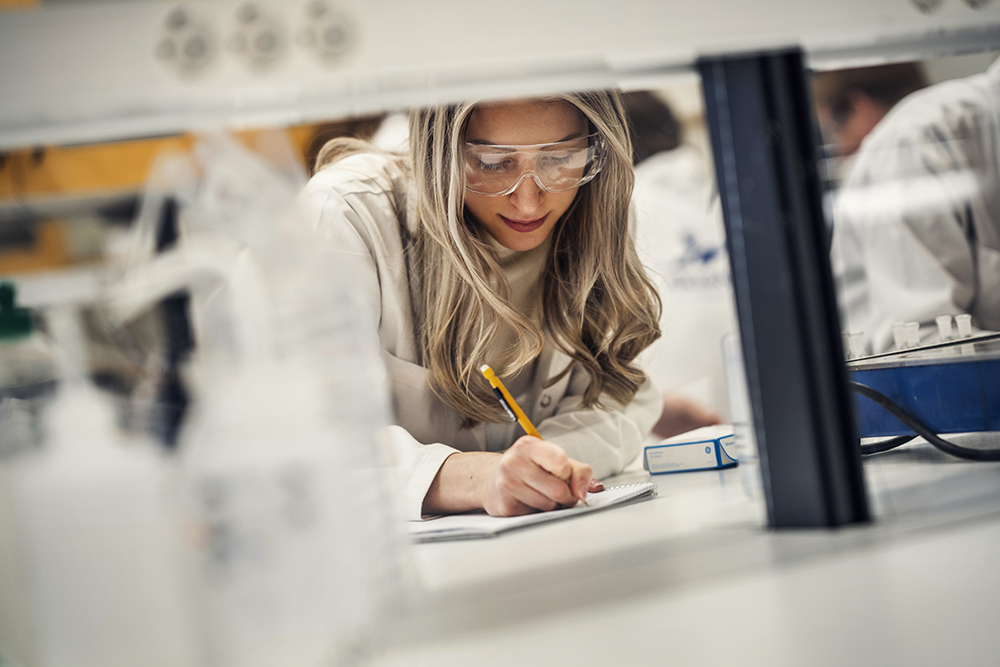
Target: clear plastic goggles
x=564 y=165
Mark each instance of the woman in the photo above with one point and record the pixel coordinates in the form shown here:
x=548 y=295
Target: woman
x=502 y=239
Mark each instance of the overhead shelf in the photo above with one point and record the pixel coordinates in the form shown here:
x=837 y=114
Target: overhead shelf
x=97 y=71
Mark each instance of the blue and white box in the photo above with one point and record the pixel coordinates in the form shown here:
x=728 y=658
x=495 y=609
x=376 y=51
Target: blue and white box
x=700 y=449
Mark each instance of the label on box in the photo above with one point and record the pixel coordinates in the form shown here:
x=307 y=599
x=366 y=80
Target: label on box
x=679 y=454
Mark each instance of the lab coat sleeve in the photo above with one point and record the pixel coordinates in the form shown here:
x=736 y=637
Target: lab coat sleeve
x=607 y=438
x=347 y=207
x=418 y=465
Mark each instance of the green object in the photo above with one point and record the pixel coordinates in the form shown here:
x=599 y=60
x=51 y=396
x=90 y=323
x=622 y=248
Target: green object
x=14 y=322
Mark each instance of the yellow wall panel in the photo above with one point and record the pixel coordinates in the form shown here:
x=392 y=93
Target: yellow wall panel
x=117 y=166
x=111 y=167
x=49 y=251
x=18 y=4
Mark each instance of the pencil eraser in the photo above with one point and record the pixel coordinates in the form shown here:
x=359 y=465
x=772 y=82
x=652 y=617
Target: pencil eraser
x=704 y=448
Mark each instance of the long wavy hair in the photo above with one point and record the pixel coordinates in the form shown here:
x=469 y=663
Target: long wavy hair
x=598 y=306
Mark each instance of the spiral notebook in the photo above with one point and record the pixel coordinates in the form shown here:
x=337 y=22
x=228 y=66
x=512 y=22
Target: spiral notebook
x=479 y=524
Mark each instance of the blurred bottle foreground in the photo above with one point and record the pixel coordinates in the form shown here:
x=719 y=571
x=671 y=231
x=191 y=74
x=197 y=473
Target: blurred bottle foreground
x=269 y=536
x=27 y=373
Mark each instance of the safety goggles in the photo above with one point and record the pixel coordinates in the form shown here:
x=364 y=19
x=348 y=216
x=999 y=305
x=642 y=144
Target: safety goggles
x=563 y=165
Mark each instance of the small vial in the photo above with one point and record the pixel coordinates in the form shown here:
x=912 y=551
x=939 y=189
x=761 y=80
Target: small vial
x=964 y=323
x=899 y=335
x=912 y=332
x=944 y=327
x=857 y=344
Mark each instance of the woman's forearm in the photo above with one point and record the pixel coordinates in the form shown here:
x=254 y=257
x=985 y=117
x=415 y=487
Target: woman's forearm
x=459 y=483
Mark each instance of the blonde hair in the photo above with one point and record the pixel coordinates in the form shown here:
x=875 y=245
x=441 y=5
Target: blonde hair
x=597 y=303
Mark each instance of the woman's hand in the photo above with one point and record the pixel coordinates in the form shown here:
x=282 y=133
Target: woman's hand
x=533 y=475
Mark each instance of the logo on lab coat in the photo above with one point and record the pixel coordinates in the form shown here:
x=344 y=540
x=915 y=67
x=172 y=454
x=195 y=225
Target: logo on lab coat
x=699 y=265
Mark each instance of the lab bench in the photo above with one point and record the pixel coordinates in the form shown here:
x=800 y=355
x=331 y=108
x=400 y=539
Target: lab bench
x=692 y=577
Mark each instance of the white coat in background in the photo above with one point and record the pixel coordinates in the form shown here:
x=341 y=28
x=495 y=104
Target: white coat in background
x=917 y=220
x=681 y=240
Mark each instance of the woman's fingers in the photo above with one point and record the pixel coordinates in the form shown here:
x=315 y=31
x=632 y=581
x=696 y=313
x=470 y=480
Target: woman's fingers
x=522 y=494
x=537 y=475
x=574 y=475
x=509 y=505
x=548 y=456
x=528 y=466
x=580 y=479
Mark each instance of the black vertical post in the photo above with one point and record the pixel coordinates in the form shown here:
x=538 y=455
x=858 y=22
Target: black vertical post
x=759 y=114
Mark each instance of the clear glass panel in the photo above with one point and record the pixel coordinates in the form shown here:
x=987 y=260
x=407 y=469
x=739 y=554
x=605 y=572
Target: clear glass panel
x=680 y=237
x=921 y=196
x=65 y=218
x=912 y=166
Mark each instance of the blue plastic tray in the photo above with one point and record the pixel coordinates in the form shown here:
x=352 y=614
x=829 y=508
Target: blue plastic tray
x=951 y=387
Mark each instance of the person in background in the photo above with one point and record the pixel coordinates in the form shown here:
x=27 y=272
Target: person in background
x=501 y=238
x=681 y=239
x=919 y=212
x=851 y=102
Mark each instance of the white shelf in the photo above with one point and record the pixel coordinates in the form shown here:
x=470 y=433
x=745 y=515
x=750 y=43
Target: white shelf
x=61 y=287
x=85 y=72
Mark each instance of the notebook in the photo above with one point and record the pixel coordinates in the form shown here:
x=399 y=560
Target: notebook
x=470 y=526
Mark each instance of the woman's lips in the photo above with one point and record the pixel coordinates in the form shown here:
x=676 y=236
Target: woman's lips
x=524 y=226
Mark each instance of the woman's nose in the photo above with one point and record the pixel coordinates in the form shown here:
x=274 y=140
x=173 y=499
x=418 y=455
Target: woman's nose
x=527 y=196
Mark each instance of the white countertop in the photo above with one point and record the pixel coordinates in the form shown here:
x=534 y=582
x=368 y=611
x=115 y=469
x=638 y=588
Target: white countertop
x=692 y=577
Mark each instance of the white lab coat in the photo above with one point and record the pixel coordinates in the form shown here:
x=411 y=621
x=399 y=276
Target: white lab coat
x=680 y=237
x=917 y=221
x=360 y=205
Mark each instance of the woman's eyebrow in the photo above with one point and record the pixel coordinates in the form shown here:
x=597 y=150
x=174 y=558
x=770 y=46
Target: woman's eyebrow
x=484 y=142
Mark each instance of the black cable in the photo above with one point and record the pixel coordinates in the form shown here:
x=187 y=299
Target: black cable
x=920 y=429
x=885 y=445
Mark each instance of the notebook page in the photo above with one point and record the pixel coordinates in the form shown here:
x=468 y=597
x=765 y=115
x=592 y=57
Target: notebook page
x=479 y=524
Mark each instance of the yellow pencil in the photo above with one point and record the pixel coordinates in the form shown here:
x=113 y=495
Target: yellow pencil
x=508 y=401
x=510 y=405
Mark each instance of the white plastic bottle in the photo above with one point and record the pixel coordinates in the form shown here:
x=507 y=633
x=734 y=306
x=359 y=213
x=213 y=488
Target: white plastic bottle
x=292 y=532
x=26 y=376
x=91 y=563
x=291 y=557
